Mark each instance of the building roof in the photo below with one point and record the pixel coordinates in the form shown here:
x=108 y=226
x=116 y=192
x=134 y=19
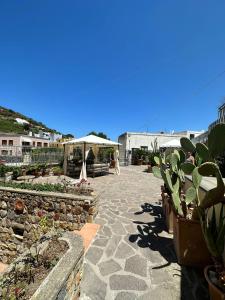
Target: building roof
x=9 y=134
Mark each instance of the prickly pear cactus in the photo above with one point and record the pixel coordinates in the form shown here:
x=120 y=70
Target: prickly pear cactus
x=215 y=195
x=187 y=145
x=216 y=141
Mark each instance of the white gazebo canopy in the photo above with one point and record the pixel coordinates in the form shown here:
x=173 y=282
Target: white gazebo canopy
x=94 y=140
x=175 y=143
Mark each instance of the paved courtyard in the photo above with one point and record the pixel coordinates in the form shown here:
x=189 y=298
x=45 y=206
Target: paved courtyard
x=132 y=256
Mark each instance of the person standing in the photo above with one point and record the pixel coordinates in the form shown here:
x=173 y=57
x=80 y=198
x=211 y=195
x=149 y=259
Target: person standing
x=190 y=158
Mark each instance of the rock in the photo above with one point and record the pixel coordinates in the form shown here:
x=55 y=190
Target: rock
x=3 y=205
x=125 y=296
x=92 y=287
x=77 y=210
x=69 y=217
x=94 y=254
x=92 y=210
x=3 y=213
x=124 y=251
x=127 y=282
x=109 y=267
x=137 y=265
x=62 y=206
x=100 y=242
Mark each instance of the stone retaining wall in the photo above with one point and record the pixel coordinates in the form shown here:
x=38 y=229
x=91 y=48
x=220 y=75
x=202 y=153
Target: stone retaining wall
x=23 y=210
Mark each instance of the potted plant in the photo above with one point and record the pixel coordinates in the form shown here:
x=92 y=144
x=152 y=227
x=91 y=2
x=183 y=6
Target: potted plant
x=212 y=216
x=180 y=208
x=187 y=228
x=57 y=171
x=214 y=233
x=168 y=168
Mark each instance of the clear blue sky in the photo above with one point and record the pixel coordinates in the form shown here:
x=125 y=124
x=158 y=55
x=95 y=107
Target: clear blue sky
x=113 y=65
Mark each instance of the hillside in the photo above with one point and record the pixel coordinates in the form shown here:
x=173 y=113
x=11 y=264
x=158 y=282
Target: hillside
x=8 y=123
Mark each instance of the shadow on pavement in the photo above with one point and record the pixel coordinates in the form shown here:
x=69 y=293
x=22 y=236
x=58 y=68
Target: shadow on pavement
x=192 y=282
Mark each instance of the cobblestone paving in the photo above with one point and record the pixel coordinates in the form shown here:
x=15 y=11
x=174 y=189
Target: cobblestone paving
x=132 y=256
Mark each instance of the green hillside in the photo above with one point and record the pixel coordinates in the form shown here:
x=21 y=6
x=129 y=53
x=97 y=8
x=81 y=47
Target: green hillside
x=9 y=124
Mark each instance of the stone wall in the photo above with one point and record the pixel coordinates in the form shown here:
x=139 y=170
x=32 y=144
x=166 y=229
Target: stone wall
x=21 y=211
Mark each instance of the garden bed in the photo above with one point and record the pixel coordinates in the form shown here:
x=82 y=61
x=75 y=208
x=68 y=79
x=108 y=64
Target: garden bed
x=23 y=211
x=50 y=269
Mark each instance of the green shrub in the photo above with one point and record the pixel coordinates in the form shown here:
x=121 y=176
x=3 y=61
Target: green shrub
x=4 y=169
x=46 y=187
x=57 y=170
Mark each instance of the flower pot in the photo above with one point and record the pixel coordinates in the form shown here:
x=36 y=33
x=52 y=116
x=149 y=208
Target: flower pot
x=168 y=213
x=189 y=243
x=149 y=169
x=140 y=162
x=214 y=291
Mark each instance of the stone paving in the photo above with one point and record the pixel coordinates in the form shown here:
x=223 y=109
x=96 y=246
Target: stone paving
x=132 y=256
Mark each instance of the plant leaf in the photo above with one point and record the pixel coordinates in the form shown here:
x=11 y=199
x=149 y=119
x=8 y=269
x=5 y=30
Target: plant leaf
x=190 y=195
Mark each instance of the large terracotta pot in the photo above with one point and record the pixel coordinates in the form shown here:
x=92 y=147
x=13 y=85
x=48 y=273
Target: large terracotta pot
x=168 y=212
x=140 y=162
x=214 y=291
x=189 y=243
x=149 y=169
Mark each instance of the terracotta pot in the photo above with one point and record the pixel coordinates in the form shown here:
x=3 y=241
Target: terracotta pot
x=139 y=162
x=214 y=291
x=168 y=213
x=189 y=243
x=19 y=206
x=149 y=170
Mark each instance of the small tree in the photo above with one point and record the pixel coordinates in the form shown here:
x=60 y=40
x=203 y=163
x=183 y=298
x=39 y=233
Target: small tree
x=100 y=134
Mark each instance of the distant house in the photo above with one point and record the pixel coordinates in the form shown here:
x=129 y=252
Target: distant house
x=21 y=121
x=16 y=145
x=143 y=140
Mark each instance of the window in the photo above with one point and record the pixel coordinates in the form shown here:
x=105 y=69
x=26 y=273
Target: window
x=10 y=152
x=4 y=152
x=25 y=143
x=39 y=144
x=192 y=136
x=45 y=144
x=144 y=148
x=4 y=142
x=33 y=144
x=133 y=150
x=10 y=142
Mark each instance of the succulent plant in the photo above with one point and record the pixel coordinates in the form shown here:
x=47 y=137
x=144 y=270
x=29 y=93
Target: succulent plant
x=216 y=146
x=215 y=195
x=213 y=227
x=169 y=169
x=216 y=141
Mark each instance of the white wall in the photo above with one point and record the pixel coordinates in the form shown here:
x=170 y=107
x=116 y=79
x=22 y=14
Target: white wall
x=137 y=140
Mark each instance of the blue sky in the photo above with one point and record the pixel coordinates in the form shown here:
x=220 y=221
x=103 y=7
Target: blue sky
x=113 y=66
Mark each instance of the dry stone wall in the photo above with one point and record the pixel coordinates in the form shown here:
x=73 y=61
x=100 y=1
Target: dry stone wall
x=21 y=211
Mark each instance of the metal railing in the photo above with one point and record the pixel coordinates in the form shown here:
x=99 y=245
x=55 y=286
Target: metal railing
x=23 y=155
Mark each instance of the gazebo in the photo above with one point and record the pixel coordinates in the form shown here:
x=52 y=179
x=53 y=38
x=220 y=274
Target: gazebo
x=87 y=143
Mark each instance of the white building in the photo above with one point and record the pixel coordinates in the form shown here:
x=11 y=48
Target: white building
x=143 y=140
